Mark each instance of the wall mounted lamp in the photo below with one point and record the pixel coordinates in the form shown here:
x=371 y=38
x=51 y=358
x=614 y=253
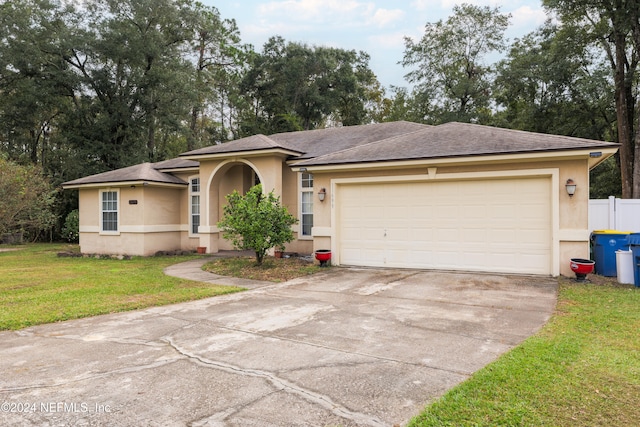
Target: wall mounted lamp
x=571 y=187
x=322 y=194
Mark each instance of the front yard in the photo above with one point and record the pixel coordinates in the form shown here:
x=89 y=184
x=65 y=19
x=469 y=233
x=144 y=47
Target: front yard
x=36 y=286
x=582 y=368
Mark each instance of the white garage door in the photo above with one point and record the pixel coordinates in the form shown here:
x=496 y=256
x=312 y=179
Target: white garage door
x=497 y=225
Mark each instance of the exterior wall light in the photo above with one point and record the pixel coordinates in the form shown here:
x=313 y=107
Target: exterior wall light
x=322 y=194
x=571 y=187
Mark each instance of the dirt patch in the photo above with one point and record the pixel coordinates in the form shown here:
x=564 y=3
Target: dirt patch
x=272 y=269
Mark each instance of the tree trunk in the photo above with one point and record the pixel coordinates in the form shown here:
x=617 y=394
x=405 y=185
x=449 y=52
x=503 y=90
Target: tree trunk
x=151 y=139
x=191 y=139
x=195 y=111
x=624 y=114
x=635 y=194
x=635 y=185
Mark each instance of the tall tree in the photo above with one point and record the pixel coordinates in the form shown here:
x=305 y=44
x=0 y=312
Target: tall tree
x=219 y=58
x=128 y=57
x=295 y=86
x=449 y=63
x=614 y=26
x=34 y=81
x=97 y=85
x=551 y=82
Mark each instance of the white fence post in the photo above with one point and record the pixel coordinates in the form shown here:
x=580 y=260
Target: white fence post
x=612 y=213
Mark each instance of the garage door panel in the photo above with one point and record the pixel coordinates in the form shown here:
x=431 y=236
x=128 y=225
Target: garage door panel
x=485 y=225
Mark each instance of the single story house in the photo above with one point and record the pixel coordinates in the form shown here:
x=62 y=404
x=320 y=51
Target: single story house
x=455 y=196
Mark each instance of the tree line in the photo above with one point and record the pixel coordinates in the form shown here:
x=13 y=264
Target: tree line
x=103 y=84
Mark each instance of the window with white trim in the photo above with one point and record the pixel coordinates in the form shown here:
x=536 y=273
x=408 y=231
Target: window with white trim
x=194 y=189
x=109 y=211
x=306 y=204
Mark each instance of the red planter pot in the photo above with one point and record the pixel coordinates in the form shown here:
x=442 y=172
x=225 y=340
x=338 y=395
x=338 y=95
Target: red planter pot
x=582 y=267
x=324 y=256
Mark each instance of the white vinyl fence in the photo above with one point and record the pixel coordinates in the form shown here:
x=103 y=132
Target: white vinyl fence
x=614 y=214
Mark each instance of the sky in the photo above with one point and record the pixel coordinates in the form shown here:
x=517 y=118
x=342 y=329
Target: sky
x=374 y=26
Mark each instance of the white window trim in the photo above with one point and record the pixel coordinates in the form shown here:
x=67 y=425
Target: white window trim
x=118 y=212
x=191 y=194
x=301 y=190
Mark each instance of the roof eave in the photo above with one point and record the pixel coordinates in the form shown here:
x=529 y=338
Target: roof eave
x=243 y=153
x=113 y=184
x=180 y=170
x=594 y=155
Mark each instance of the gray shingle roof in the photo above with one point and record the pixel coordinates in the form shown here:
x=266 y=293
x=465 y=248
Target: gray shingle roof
x=381 y=142
x=313 y=143
x=454 y=140
x=142 y=172
x=319 y=142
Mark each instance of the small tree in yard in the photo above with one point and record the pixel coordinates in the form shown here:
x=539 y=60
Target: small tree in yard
x=256 y=222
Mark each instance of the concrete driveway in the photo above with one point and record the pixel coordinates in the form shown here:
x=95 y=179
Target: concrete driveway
x=346 y=347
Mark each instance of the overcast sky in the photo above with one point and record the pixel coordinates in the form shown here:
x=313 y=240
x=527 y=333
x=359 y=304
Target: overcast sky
x=374 y=26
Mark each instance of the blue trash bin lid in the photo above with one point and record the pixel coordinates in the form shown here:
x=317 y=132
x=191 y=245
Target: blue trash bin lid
x=633 y=239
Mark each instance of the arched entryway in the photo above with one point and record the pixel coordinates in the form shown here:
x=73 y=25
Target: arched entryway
x=232 y=176
x=223 y=177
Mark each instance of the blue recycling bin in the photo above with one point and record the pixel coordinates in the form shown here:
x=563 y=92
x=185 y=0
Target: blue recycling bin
x=634 y=244
x=605 y=244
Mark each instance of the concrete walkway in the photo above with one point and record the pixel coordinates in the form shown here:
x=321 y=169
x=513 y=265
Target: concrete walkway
x=192 y=270
x=344 y=347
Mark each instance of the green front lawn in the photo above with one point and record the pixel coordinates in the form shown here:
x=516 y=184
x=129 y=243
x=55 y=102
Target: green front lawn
x=36 y=286
x=581 y=369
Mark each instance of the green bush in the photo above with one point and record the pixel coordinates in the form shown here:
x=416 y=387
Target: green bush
x=256 y=222
x=71 y=228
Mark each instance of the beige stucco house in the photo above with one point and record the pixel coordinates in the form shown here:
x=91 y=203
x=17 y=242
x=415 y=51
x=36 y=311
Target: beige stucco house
x=454 y=196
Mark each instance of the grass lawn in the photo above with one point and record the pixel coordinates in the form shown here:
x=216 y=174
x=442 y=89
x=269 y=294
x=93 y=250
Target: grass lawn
x=272 y=269
x=581 y=369
x=36 y=286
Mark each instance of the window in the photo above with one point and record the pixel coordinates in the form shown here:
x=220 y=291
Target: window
x=306 y=199
x=109 y=211
x=194 y=188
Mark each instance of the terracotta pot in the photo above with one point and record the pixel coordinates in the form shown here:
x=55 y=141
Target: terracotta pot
x=202 y=249
x=277 y=254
